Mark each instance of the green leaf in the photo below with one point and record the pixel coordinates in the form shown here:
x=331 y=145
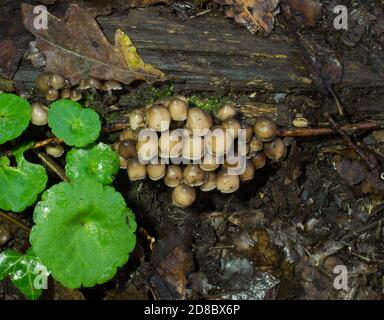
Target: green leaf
x=71 y=122
x=83 y=232
x=25 y=271
x=19 y=186
x=99 y=162
x=15 y=114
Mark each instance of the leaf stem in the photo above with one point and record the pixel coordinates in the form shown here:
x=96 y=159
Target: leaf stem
x=15 y=221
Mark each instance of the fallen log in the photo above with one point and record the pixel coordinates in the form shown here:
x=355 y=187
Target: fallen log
x=212 y=54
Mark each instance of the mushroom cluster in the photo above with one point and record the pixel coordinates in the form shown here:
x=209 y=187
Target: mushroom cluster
x=54 y=86
x=211 y=165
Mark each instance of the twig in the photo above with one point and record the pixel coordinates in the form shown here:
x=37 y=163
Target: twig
x=51 y=164
x=116 y=126
x=350 y=143
x=15 y=221
x=324 y=131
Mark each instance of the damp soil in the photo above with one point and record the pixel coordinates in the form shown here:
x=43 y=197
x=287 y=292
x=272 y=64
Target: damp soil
x=282 y=235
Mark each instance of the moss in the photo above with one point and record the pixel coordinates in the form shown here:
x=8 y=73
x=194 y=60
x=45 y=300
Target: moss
x=210 y=105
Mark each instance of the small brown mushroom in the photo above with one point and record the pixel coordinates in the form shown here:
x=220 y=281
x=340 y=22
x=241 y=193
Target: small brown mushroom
x=158 y=117
x=42 y=82
x=39 y=114
x=156 y=171
x=218 y=142
x=276 y=149
x=170 y=144
x=259 y=160
x=249 y=172
x=209 y=163
x=227 y=111
x=265 y=129
x=66 y=93
x=51 y=94
x=147 y=148
x=127 y=148
x=56 y=81
x=183 y=195
x=198 y=121
x=90 y=83
x=193 y=175
x=55 y=150
x=110 y=86
x=76 y=95
x=232 y=125
x=227 y=183
x=248 y=133
x=210 y=182
x=173 y=176
x=178 y=109
x=135 y=169
x=193 y=147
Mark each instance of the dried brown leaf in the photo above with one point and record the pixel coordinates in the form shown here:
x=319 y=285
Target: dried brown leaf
x=255 y=15
x=76 y=48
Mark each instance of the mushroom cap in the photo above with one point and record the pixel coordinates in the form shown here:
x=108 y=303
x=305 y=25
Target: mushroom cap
x=227 y=183
x=171 y=144
x=56 y=81
x=193 y=147
x=275 y=149
x=193 y=175
x=182 y=98
x=127 y=148
x=249 y=172
x=147 y=148
x=136 y=120
x=173 y=176
x=227 y=111
x=55 y=151
x=233 y=125
x=66 y=93
x=111 y=85
x=51 y=94
x=135 y=169
x=210 y=182
x=76 y=95
x=198 y=121
x=178 y=109
x=128 y=134
x=39 y=114
x=219 y=141
x=248 y=133
x=300 y=121
x=183 y=195
x=235 y=163
x=42 y=82
x=265 y=129
x=156 y=171
x=209 y=163
x=158 y=117
x=90 y=83
x=259 y=159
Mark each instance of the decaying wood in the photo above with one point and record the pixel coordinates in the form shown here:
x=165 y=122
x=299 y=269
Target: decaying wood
x=211 y=53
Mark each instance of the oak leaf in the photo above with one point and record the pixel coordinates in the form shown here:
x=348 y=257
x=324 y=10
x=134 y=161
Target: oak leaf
x=76 y=48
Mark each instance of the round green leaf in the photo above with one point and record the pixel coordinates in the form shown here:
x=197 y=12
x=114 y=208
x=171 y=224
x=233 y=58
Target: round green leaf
x=99 y=162
x=19 y=186
x=83 y=232
x=71 y=122
x=15 y=114
x=25 y=272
